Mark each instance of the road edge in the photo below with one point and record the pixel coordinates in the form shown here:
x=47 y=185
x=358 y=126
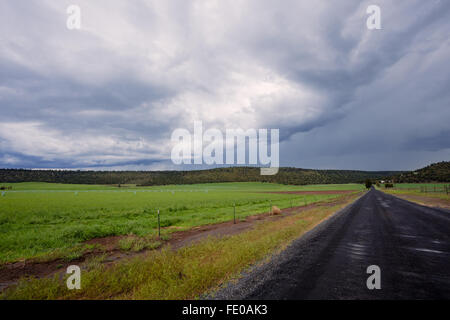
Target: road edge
x=254 y=277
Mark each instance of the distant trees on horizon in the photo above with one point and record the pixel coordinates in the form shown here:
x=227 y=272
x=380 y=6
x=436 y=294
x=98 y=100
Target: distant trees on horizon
x=293 y=176
x=438 y=172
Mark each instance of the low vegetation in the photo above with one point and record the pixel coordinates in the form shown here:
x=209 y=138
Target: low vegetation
x=428 y=194
x=48 y=221
x=134 y=243
x=431 y=190
x=187 y=273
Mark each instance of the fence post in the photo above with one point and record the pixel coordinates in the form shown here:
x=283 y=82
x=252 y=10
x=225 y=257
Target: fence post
x=270 y=204
x=234 y=213
x=159 y=226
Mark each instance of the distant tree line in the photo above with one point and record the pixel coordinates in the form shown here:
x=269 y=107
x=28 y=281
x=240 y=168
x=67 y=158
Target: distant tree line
x=436 y=172
x=293 y=176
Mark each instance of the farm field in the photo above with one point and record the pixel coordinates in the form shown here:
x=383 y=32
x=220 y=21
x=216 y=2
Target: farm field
x=438 y=190
x=43 y=220
x=191 y=272
x=417 y=186
x=429 y=194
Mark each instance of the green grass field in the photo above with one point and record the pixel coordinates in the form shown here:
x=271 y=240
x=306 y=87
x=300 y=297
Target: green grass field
x=38 y=218
x=417 y=186
x=427 y=190
x=187 y=273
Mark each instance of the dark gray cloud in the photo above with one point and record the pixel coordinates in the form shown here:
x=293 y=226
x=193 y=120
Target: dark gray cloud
x=110 y=95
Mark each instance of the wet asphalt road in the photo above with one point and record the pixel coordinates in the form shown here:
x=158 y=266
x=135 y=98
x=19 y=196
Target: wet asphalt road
x=410 y=243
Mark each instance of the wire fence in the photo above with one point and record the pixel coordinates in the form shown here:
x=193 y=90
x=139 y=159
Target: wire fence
x=435 y=189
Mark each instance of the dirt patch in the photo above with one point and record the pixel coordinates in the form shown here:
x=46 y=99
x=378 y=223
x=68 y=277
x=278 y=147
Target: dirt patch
x=10 y=273
x=107 y=243
x=314 y=192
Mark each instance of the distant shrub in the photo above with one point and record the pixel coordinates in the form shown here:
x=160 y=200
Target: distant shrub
x=389 y=185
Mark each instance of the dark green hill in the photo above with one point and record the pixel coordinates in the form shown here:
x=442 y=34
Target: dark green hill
x=233 y=174
x=436 y=172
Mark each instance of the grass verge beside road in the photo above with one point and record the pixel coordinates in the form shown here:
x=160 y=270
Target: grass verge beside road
x=438 y=199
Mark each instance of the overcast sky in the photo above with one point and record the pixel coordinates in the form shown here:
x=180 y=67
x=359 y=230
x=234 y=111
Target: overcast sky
x=109 y=95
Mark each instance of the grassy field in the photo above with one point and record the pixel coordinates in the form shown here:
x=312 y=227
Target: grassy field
x=230 y=186
x=49 y=220
x=417 y=186
x=414 y=191
x=187 y=273
x=438 y=190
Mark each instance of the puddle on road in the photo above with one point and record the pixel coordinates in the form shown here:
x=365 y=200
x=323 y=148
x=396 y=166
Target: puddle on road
x=423 y=238
x=406 y=236
x=356 y=250
x=384 y=204
x=426 y=250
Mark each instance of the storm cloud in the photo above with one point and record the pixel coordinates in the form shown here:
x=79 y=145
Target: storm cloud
x=110 y=94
